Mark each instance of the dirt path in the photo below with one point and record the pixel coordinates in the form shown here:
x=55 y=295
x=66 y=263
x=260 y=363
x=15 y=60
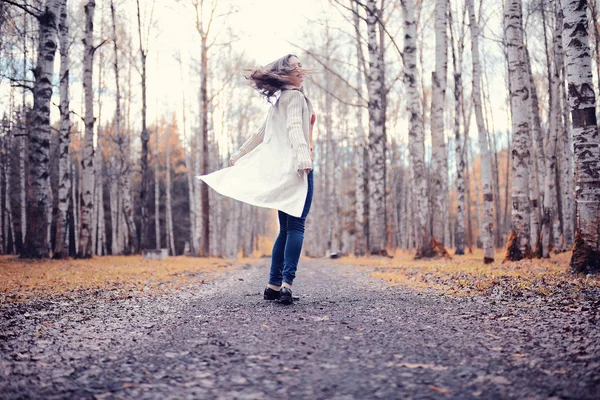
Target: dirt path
x=349 y=336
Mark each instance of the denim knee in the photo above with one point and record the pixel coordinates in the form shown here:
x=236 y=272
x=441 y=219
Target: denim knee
x=295 y=224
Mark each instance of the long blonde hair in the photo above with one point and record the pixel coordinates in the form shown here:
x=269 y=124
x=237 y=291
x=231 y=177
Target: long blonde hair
x=269 y=79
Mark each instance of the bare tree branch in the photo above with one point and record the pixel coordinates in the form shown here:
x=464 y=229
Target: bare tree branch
x=316 y=58
x=380 y=23
x=29 y=9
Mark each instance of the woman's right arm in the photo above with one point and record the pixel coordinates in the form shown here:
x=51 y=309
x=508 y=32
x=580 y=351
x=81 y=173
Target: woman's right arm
x=249 y=144
x=293 y=126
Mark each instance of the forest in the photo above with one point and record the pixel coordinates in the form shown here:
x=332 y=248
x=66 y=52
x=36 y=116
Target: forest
x=443 y=126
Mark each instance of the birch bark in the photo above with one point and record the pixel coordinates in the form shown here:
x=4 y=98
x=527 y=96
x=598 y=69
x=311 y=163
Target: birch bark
x=23 y=145
x=61 y=248
x=169 y=204
x=122 y=183
x=564 y=141
x=518 y=246
x=145 y=137
x=439 y=158
x=586 y=143
x=361 y=160
x=487 y=215
x=87 y=161
x=375 y=87
x=460 y=161
x=415 y=132
x=550 y=220
x=156 y=191
x=39 y=202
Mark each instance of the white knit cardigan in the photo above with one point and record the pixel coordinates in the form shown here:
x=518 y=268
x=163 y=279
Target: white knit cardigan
x=268 y=167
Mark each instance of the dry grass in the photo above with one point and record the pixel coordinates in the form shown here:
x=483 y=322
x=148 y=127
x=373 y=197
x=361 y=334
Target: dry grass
x=22 y=279
x=467 y=275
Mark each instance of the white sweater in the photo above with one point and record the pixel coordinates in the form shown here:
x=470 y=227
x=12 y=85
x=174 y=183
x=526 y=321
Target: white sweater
x=292 y=101
x=268 y=169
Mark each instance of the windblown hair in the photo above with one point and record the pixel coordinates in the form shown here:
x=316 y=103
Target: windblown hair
x=269 y=79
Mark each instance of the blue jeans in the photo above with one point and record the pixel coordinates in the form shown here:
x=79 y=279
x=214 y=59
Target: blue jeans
x=288 y=246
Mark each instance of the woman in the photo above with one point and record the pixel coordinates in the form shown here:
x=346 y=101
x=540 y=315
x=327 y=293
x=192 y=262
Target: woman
x=273 y=168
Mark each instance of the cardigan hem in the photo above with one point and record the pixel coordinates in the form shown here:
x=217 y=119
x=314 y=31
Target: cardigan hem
x=253 y=202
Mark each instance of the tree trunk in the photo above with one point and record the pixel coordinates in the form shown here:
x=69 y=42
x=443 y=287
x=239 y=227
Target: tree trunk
x=415 y=132
x=376 y=90
x=205 y=211
x=518 y=246
x=61 y=248
x=361 y=160
x=122 y=184
x=169 y=205
x=87 y=161
x=487 y=220
x=566 y=173
x=156 y=192
x=439 y=157
x=586 y=144
x=460 y=168
x=39 y=203
x=145 y=137
x=550 y=219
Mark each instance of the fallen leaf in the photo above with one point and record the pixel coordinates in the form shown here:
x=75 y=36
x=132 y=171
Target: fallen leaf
x=439 y=390
x=424 y=366
x=500 y=380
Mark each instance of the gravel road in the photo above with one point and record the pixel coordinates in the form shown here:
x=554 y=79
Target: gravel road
x=349 y=336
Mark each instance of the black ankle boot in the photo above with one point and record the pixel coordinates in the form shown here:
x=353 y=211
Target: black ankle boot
x=271 y=294
x=286 y=295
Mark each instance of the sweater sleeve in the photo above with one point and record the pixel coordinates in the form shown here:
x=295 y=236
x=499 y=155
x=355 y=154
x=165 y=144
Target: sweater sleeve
x=293 y=125
x=249 y=144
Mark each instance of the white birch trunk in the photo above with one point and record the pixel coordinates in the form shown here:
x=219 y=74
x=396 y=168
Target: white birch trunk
x=23 y=146
x=124 y=240
x=550 y=236
x=564 y=141
x=376 y=90
x=76 y=185
x=39 y=199
x=460 y=237
x=439 y=158
x=487 y=215
x=518 y=246
x=156 y=192
x=87 y=161
x=415 y=132
x=61 y=248
x=114 y=214
x=331 y=184
x=586 y=143
x=361 y=158
x=145 y=138
x=169 y=204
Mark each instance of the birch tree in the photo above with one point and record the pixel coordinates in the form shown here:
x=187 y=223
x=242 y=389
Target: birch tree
x=518 y=246
x=415 y=132
x=361 y=158
x=375 y=88
x=460 y=233
x=586 y=143
x=439 y=157
x=486 y=223
x=145 y=136
x=61 y=248
x=169 y=204
x=564 y=140
x=38 y=202
x=87 y=161
x=123 y=169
